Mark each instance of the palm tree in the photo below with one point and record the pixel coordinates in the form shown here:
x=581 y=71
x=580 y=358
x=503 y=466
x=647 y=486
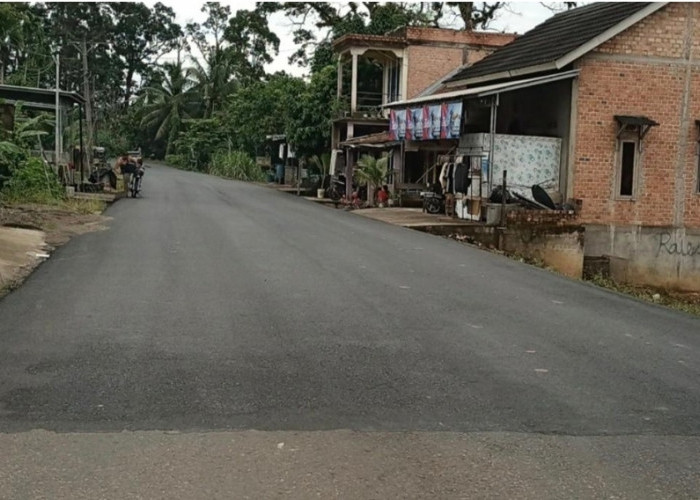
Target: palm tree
x=213 y=80
x=323 y=163
x=372 y=171
x=167 y=105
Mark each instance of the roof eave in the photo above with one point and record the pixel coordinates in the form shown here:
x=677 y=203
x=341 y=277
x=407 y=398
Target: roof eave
x=567 y=58
x=607 y=35
x=504 y=75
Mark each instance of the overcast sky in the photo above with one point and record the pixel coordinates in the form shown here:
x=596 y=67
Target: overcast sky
x=516 y=17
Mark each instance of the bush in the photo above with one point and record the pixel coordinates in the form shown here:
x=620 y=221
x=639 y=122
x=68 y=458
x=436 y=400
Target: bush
x=32 y=182
x=179 y=161
x=236 y=165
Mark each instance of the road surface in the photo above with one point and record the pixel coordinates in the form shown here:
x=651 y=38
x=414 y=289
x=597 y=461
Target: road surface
x=224 y=340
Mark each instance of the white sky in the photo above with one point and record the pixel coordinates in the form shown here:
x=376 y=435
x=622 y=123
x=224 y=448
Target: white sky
x=516 y=17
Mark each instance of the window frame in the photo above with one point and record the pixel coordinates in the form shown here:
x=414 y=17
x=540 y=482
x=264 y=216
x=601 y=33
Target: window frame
x=697 y=157
x=636 y=167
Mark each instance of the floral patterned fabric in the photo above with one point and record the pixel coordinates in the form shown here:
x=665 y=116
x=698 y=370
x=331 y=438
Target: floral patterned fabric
x=528 y=160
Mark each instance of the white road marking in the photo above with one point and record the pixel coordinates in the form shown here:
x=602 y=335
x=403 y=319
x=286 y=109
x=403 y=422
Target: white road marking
x=557 y=302
x=531 y=352
x=541 y=370
x=476 y=327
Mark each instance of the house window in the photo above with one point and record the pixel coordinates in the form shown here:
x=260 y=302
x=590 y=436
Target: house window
x=630 y=136
x=628 y=168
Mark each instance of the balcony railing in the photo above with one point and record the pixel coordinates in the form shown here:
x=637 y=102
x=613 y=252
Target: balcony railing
x=369 y=104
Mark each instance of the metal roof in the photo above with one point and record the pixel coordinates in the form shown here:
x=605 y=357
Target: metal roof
x=38 y=98
x=486 y=90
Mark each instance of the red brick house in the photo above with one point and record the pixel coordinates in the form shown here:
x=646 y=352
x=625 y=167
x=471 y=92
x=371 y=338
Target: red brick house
x=618 y=84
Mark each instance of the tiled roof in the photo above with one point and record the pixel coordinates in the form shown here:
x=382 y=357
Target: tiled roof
x=553 y=39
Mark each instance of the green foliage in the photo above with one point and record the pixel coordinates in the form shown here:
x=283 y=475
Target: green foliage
x=200 y=140
x=309 y=124
x=236 y=165
x=32 y=182
x=179 y=161
x=322 y=163
x=260 y=109
x=372 y=171
x=11 y=156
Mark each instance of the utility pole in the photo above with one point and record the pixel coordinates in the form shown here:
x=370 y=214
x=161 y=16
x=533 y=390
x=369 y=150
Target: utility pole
x=88 y=105
x=57 y=127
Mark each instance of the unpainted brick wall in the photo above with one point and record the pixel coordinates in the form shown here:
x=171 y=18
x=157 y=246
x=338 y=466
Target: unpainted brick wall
x=642 y=71
x=433 y=53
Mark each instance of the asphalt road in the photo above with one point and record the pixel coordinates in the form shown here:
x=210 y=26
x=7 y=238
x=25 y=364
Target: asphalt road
x=213 y=308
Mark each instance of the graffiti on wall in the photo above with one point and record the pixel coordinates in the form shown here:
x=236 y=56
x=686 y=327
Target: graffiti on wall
x=677 y=246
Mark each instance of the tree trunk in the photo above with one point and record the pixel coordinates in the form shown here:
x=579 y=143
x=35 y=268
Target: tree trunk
x=129 y=86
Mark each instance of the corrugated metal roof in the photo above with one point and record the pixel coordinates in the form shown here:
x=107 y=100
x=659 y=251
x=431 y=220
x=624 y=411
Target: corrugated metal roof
x=486 y=90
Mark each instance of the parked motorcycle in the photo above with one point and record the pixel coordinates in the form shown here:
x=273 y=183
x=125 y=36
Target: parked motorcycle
x=336 y=190
x=433 y=201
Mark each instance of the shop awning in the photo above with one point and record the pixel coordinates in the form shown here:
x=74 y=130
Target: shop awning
x=380 y=140
x=487 y=90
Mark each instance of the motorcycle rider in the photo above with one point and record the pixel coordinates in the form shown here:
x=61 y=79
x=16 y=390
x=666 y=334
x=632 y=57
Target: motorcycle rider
x=128 y=166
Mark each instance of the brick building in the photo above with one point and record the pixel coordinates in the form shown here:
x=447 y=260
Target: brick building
x=376 y=69
x=617 y=87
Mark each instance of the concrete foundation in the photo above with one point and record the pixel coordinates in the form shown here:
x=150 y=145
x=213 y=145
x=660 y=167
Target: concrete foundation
x=665 y=257
x=558 y=247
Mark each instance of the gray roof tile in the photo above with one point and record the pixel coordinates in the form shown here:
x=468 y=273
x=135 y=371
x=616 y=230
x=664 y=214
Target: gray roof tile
x=553 y=39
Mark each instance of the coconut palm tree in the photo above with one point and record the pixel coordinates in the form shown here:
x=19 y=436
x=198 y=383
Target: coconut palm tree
x=372 y=171
x=213 y=80
x=167 y=105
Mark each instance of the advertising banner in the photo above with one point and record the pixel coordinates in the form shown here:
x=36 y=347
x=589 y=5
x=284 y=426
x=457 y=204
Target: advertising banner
x=400 y=124
x=433 y=121
x=417 y=123
x=393 y=126
x=452 y=118
x=426 y=123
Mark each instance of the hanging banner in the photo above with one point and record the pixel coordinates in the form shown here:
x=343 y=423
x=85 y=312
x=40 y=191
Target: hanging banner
x=426 y=123
x=417 y=123
x=401 y=124
x=451 y=120
x=393 y=126
x=433 y=121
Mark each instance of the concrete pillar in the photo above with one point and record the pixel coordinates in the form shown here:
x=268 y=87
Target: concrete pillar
x=385 y=83
x=404 y=76
x=340 y=75
x=353 y=95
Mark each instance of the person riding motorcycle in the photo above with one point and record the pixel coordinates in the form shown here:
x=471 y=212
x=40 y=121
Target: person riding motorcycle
x=128 y=166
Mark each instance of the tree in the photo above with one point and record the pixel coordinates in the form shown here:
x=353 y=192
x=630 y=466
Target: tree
x=166 y=106
x=251 y=43
x=141 y=36
x=261 y=108
x=334 y=20
x=309 y=126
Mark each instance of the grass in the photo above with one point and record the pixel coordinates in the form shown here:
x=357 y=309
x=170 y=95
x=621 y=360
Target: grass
x=82 y=206
x=686 y=302
x=680 y=301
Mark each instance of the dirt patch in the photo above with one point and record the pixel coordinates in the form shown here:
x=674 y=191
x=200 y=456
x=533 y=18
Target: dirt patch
x=29 y=233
